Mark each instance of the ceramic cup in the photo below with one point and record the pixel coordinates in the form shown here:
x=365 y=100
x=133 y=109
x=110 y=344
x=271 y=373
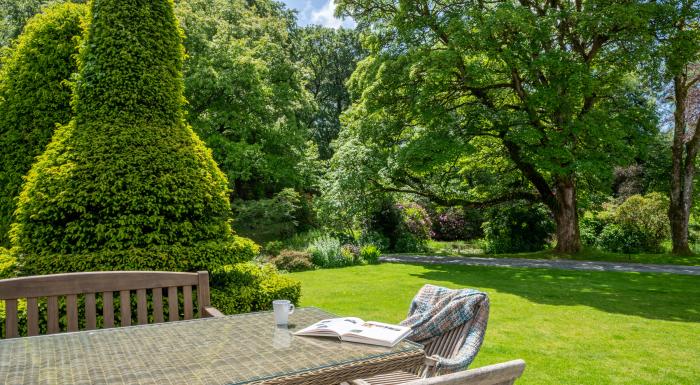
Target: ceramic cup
x=283 y=309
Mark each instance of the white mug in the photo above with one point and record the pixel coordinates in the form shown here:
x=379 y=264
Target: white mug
x=283 y=309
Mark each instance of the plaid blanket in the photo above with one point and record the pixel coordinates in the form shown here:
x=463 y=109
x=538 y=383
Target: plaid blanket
x=436 y=310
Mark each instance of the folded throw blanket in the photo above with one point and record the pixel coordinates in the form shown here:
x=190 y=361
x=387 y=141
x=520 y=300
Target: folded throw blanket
x=436 y=310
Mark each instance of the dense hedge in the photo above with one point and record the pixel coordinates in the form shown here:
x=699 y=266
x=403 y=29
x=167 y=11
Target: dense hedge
x=247 y=287
x=126 y=183
x=34 y=96
x=200 y=256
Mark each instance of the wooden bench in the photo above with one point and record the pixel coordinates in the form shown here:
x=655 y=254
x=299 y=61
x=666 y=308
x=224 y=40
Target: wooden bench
x=106 y=284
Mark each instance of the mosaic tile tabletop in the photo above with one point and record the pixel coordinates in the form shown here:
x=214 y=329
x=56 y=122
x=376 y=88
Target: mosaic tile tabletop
x=227 y=350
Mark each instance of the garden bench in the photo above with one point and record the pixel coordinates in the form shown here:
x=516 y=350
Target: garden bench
x=88 y=285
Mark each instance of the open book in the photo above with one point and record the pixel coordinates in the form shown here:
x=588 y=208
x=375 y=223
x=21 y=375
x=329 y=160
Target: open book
x=356 y=330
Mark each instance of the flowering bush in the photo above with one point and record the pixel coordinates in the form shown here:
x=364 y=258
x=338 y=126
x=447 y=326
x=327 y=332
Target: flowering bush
x=415 y=220
x=454 y=223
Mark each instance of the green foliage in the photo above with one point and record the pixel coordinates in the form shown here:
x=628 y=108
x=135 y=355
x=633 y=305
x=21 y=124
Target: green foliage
x=456 y=223
x=292 y=260
x=8 y=264
x=273 y=248
x=246 y=94
x=200 y=256
x=647 y=214
x=639 y=224
x=126 y=182
x=329 y=56
x=351 y=254
x=406 y=226
x=517 y=228
x=370 y=254
x=621 y=239
x=325 y=252
x=246 y=287
x=375 y=239
x=268 y=219
x=591 y=225
x=34 y=96
x=454 y=95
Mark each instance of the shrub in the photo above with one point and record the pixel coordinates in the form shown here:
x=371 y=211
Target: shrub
x=351 y=254
x=202 y=256
x=517 y=228
x=325 y=252
x=590 y=227
x=375 y=239
x=273 y=248
x=370 y=254
x=8 y=264
x=268 y=219
x=454 y=223
x=247 y=287
x=647 y=216
x=620 y=239
x=126 y=182
x=415 y=220
x=291 y=260
x=406 y=226
x=34 y=96
x=639 y=224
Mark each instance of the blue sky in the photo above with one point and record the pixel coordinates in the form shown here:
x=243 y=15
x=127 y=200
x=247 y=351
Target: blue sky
x=318 y=12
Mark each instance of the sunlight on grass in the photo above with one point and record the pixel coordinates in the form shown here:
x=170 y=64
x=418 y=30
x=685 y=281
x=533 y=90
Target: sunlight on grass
x=570 y=327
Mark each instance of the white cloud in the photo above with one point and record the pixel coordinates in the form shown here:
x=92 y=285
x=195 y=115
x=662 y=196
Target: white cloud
x=325 y=16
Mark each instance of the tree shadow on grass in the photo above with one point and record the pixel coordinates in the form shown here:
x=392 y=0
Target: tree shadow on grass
x=654 y=296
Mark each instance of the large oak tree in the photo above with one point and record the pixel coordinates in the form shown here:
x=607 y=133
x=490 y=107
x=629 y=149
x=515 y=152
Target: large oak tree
x=551 y=83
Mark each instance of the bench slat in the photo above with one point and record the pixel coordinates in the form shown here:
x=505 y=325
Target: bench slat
x=72 y=312
x=108 y=309
x=187 y=295
x=90 y=311
x=32 y=317
x=141 y=307
x=11 y=329
x=52 y=315
x=125 y=306
x=172 y=304
x=158 y=305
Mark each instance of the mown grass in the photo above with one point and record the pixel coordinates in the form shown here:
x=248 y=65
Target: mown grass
x=473 y=249
x=571 y=327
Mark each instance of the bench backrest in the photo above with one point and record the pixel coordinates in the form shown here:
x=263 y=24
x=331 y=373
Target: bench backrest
x=106 y=285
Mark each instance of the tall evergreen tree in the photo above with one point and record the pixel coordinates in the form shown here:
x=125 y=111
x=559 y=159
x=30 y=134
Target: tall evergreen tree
x=34 y=96
x=126 y=184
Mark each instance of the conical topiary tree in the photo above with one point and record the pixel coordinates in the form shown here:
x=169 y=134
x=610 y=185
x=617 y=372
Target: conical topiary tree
x=34 y=96
x=126 y=184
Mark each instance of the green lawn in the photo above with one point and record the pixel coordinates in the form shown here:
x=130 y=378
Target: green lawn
x=473 y=249
x=570 y=327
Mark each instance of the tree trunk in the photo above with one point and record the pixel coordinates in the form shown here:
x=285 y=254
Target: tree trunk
x=566 y=216
x=682 y=171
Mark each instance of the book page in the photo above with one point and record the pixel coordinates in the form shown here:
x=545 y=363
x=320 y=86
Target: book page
x=378 y=331
x=332 y=326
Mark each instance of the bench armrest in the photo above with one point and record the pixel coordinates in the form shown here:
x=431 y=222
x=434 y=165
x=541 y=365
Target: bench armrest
x=210 y=311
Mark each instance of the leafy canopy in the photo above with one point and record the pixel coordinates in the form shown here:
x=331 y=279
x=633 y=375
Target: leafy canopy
x=246 y=94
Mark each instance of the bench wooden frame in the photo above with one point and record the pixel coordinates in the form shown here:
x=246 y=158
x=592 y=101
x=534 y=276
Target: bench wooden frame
x=106 y=283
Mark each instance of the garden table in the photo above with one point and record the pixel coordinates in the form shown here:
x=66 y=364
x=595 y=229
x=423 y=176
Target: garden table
x=237 y=349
